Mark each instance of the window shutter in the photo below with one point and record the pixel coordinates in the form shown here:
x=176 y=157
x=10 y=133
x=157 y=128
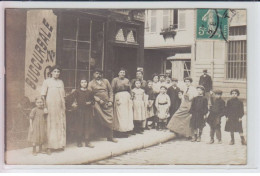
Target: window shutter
x=182 y=20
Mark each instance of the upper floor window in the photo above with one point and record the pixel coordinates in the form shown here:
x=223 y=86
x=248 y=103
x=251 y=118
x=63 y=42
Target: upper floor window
x=166 y=18
x=153 y=20
x=237 y=54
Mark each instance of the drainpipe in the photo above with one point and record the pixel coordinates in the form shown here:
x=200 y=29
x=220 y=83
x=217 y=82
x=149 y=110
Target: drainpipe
x=212 y=63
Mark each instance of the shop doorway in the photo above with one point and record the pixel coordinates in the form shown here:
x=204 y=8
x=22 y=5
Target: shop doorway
x=181 y=68
x=127 y=58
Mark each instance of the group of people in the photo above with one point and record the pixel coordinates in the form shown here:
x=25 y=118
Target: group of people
x=125 y=108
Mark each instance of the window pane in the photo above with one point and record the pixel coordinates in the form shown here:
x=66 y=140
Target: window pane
x=175 y=18
x=153 y=12
x=69 y=44
x=165 y=21
x=70 y=27
x=84 y=29
x=97 y=44
x=153 y=24
x=68 y=58
x=68 y=77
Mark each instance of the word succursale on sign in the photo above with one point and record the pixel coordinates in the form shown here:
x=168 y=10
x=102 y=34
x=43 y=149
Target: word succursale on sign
x=212 y=24
x=40 y=53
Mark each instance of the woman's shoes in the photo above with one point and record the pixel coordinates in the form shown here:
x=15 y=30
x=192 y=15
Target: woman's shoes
x=112 y=140
x=232 y=142
x=88 y=144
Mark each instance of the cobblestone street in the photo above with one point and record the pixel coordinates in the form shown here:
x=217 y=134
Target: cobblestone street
x=180 y=151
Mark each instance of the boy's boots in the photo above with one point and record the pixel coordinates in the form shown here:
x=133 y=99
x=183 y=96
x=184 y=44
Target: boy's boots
x=34 y=151
x=232 y=142
x=194 y=138
x=199 y=138
x=211 y=141
x=243 y=141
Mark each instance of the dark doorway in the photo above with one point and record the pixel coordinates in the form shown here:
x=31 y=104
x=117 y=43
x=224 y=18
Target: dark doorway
x=127 y=58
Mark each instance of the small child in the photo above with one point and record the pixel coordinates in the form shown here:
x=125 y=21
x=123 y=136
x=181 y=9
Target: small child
x=234 y=114
x=217 y=110
x=151 y=97
x=198 y=110
x=162 y=104
x=138 y=96
x=38 y=126
x=83 y=101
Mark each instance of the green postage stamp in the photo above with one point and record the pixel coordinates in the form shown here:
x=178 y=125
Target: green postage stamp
x=212 y=24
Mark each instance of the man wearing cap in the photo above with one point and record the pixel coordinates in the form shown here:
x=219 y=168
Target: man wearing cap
x=206 y=82
x=173 y=92
x=103 y=95
x=139 y=76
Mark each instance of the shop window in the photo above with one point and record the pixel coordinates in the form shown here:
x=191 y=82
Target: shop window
x=236 y=60
x=82 y=49
x=126 y=35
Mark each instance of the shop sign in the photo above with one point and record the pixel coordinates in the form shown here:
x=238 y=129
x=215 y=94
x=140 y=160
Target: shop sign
x=212 y=24
x=40 y=52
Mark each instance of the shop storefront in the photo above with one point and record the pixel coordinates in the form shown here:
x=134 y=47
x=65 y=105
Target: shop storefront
x=77 y=40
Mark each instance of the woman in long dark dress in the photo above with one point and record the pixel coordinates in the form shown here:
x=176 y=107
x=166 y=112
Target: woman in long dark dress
x=180 y=121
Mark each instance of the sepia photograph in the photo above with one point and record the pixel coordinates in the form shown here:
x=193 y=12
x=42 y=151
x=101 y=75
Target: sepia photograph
x=132 y=86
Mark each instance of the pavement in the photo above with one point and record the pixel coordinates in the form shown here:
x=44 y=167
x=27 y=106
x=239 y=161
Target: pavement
x=151 y=148
x=74 y=155
x=183 y=152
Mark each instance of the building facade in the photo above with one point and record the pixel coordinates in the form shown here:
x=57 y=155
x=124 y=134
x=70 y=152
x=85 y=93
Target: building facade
x=79 y=40
x=171 y=44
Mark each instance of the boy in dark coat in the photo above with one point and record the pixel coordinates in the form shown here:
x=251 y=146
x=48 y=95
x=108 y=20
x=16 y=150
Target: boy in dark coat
x=198 y=110
x=217 y=110
x=234 y=114
x=83 y=101
x=173 y=92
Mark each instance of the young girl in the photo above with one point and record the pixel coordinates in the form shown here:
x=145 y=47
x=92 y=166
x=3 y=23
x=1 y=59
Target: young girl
x=151 y=97
x=156 y=84
x=83 y=101
x=38 y=129
x=139 y=107
x=162 y=104
x=198 y=110
x=234 y=114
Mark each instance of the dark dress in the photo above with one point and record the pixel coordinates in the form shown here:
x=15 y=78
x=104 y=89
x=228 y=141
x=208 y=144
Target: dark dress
x=175 y=100
x=84 y=113
x=234 y=111
x=217 y=110
x=206 y=82
x=199 y=108
x=150 y=93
